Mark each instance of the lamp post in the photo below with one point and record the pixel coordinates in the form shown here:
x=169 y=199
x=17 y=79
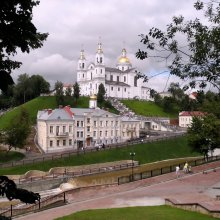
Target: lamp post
x=132 y=154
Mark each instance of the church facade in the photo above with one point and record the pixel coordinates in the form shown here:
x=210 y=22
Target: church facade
x=119 y=82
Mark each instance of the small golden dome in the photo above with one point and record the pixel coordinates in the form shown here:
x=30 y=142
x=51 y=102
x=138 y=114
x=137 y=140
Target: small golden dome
x=93 y=97
x=124 y=60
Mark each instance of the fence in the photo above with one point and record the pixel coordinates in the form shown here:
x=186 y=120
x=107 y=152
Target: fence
x=88 y=150
x=163 y=170
x=42 y=204
x=69 y=174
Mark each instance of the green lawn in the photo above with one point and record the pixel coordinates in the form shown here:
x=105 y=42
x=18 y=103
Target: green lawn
x=145 y=153
x=142 y=213
x=147 y=108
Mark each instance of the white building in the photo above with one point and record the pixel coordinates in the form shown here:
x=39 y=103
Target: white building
x=120 y=81
x=185 y=118
x=68 y=128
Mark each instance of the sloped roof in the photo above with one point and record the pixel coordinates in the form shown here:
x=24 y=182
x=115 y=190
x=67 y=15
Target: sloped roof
x=115 y=83
x=192 y=113
x=111 y=69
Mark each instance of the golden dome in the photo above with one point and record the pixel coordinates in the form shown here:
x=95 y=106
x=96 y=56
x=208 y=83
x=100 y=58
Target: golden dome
x=123 y=60
x=93 y=97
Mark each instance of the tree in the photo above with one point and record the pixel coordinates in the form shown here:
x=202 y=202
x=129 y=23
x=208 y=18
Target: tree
x=68 y=92
x=176 y=91
x=9 y=189
x=76 y=92
x=16 y=134
x=38 y=86
x=59 y=93
x=204 y=134
x=196 y=56
x=101 y=93
x=17 y=32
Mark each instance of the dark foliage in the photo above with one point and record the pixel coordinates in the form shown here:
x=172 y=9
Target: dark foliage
x=17 y=32
x=10 y=190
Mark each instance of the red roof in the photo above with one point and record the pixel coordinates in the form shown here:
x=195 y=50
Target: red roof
x=68 y=110
x=194 y=113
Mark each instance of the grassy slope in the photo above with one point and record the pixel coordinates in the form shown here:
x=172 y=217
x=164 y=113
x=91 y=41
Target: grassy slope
x=147 y=108
x=10 y=156
x=131 y=213
x=43 y=102
x=145 y=153
x=32 y=107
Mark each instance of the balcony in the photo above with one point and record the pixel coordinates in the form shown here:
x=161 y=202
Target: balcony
x=62 y=134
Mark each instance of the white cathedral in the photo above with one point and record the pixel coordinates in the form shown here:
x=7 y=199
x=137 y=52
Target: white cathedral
x=119 y=82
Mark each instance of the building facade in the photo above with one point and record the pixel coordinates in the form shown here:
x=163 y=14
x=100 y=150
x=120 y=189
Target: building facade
x=185 y=117
x=120 y=82
x=68 y=128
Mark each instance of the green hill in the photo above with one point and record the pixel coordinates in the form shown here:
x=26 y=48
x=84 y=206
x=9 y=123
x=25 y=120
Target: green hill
x=147 y=108
x=44 y=102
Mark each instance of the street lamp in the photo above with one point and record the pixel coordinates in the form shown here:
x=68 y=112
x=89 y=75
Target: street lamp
x=132 y=154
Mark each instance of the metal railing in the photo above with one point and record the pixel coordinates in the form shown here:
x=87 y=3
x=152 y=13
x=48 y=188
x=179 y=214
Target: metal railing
x=164 y=170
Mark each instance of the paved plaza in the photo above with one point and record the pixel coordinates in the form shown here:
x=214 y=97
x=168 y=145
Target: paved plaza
x=197 y=187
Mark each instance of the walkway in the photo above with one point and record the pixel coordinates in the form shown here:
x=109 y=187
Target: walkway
x=198 y=187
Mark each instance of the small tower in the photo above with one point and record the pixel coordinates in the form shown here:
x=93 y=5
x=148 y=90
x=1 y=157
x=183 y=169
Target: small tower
x=93 y=101
x=123 y=62
x=99 y=57
x=82 y=61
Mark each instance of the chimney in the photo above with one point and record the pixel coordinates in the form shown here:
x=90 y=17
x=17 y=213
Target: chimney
x=49 y=111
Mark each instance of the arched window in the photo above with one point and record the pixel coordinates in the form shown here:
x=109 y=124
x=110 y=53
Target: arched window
x=100 y=59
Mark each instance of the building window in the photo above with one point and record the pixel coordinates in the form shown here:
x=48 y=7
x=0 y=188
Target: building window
x=88 y=128
x=57 y=129
x=70 y=142
x=111 y=77
x=51 y=143
x=100 y=123
x=83 y=75
x=94 y=123
x=116 y=123
x=122 y=68
x=135 y=81
x=106 y=123
x=124 y=78
x=101 y=71
x=81 y=134
x=88 y=120
x=118 y=88
x=77 y=124
x=106 y=133
x=83 y=66
x=125 y=89
x=58 y=143
x=51 y=129
x=64 y=142
x=77 y=133
x=64 y=129
x=117 y=78
x=100 y=133
x=112 y=88
x=81 y=123
x=94 y=133
x=70 y=129
x=101 y=62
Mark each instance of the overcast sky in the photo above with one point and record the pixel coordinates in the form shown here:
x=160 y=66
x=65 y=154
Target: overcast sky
x=73 y=23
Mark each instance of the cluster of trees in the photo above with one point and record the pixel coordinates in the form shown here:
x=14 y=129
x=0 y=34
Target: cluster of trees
x=27 y=88
x=70 y=93
x=16 y=17
x=10 y=190
x=16 y=134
